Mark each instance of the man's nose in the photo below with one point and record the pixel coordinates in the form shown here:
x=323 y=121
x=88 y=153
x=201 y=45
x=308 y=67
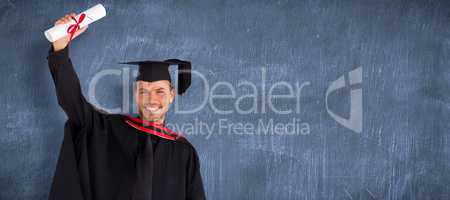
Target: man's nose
x=153 y=97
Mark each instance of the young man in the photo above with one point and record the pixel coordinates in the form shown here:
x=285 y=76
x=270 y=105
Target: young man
x=112 y=156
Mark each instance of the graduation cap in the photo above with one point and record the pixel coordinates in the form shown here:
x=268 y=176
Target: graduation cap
x=151 y=70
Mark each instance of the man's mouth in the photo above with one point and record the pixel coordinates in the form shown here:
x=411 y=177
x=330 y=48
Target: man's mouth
x=153 y=108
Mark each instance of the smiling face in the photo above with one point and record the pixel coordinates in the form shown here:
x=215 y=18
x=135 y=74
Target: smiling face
x=153 y=99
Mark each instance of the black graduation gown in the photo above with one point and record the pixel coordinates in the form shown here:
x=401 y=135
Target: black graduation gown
x=104 y=158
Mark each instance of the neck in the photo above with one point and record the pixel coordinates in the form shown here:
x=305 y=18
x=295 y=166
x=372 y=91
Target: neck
x=159 y=120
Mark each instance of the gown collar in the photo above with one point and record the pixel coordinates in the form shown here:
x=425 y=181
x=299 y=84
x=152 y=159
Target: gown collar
x=151 y=128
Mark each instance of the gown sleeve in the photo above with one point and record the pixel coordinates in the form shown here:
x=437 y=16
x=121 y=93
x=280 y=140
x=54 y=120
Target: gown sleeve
x=68 y=90
x=71 y=179
x=195 y=189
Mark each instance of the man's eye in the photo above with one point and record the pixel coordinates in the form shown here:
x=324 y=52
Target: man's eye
x=160 y=92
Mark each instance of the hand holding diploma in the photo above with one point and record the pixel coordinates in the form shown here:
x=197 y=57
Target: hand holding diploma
x=71 y=24
x=64 y=41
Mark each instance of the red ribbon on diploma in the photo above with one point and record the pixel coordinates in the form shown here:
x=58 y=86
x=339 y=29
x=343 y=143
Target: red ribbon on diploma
x=74 y=27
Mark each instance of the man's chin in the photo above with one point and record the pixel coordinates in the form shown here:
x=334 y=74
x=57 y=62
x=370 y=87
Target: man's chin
x=152 y=117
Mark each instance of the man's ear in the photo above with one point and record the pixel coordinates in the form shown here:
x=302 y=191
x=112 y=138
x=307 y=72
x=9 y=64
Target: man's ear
x=173 y=92
x=135 y=89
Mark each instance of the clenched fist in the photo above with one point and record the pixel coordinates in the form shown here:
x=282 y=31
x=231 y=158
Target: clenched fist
x=62 y=42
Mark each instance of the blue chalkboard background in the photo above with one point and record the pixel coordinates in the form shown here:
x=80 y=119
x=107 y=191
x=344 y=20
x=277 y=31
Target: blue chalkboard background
x=396 y=52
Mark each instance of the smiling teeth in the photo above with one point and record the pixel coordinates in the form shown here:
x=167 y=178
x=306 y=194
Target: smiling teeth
x=152 y=109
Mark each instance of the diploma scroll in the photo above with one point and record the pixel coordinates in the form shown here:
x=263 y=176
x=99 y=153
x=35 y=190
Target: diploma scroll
x=91 y=15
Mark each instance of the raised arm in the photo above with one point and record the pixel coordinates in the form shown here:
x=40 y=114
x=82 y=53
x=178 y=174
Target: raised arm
x=67 y=84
